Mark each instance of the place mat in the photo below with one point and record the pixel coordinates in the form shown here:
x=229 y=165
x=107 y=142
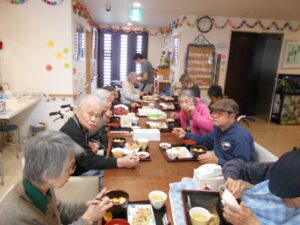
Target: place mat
x=158 y=214
x=177 y=159
x=206 y=199
x=176 y=198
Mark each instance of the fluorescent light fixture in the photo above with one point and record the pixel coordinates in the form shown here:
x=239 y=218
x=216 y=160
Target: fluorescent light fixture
x=129 y=24
x=135 y=14
x=137 y=5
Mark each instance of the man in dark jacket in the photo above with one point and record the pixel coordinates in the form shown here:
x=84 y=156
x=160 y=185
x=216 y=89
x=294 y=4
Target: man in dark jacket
x=87 y=118
x=228 y=140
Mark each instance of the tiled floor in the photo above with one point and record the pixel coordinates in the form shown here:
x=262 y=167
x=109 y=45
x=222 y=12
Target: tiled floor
x=278 y=139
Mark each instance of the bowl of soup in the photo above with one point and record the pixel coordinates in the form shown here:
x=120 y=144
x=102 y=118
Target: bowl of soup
x=197 y=150
x=119 y=200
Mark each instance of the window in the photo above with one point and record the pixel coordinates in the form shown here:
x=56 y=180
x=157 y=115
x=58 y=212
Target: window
x=139 y=45
x=116 y=50
x=123 y=57
x=107 y=59
x=80 y=43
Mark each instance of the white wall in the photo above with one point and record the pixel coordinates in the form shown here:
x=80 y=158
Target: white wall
x=25 y=31
x=221 y=39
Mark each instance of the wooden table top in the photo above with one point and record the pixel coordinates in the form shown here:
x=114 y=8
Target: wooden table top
x=156 y=174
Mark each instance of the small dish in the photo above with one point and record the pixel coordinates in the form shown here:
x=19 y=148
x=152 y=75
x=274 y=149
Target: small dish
x=143 y=155
x=165 y=145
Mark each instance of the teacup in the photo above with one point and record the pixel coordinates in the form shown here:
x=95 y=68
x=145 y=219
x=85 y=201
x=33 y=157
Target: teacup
x=117 y=152
x=134 y=121
x=199 y=216
x=143 y=142
x=157 y=199
x=172 y=153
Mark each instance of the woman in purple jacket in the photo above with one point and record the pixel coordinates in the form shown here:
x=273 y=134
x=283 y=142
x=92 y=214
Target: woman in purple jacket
x=194 y=115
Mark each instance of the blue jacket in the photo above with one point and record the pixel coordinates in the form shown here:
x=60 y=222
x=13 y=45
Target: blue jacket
x=235 y=142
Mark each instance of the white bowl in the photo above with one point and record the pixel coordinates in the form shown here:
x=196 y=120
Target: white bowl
x=199 y=216
x=143 y=155
x=172 y=153
x=165 y=145
x=157 y=199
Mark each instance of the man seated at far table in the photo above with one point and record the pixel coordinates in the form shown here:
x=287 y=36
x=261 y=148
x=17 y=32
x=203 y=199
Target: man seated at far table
x=228 y=140
x=87 y=118
x=274 y=201
x=129 y=95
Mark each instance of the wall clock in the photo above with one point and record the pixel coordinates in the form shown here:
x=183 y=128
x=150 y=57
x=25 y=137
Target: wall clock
x=204 y=24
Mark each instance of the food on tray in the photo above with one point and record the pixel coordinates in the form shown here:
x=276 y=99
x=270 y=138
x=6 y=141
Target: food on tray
x=200 y=150
x=118 y=140
x=143 y=155
x=132 y=146
x=182 y=154
x=165 y=145
x=188 y=142
x=142 y=216
x=126 y=124
x=118 y=201
x=120 y=110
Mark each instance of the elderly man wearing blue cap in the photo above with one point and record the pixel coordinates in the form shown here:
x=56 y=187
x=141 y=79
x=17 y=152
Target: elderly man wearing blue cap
x=274 y=201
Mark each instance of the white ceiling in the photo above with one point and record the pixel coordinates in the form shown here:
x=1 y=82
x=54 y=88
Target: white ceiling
x=157 y=13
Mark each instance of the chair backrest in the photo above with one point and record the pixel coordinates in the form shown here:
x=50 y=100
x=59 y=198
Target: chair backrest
x=79 y=189
x=263 y=155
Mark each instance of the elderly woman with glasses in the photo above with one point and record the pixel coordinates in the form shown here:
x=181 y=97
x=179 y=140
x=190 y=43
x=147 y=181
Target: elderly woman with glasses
x=194 y=116
x=49 y=162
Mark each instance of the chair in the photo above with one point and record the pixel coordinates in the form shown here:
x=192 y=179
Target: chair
x=79 y=189
x=15 y=130
x=1 y=168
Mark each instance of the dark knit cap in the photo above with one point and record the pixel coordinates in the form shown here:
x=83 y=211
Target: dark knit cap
x=284 y=180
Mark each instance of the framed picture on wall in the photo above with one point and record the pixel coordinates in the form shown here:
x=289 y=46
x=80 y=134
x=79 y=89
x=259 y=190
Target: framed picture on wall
x=291 y=57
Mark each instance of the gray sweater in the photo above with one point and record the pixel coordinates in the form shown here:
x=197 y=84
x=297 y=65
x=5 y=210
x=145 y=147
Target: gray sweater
x=252 y=172
x=129 y=94
x=17 y=208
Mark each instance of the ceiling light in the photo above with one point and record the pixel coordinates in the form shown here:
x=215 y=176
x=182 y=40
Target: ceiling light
x=137 y=4
x=129 y=24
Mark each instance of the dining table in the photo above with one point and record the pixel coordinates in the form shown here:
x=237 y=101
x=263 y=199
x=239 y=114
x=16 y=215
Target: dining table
x=154 y=174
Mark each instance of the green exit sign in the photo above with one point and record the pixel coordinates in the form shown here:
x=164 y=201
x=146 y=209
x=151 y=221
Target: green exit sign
x=135 y=14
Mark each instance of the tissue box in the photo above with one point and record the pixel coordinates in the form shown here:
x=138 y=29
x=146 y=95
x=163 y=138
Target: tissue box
x=151 y=134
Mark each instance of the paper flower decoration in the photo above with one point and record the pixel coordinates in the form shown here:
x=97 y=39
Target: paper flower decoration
x=58 y=55
x=66 y=65
x=66 y=50
x=50 y=43
x=74 y=71
x=49 y=67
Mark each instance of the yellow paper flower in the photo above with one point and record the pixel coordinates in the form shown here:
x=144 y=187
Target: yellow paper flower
x=50 y=43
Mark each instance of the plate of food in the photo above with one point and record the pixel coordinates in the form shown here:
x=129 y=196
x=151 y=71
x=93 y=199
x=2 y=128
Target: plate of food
x=143 y=155
x=165 y=145
x=126 y=124
x=140 y=214
x=131 y=148
x=182 y=152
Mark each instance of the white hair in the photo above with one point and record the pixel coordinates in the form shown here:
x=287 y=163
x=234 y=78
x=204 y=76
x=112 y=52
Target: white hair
x=102 y=94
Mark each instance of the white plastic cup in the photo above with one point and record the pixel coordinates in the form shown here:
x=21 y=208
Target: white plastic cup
x=157 y=199
x=199 y=216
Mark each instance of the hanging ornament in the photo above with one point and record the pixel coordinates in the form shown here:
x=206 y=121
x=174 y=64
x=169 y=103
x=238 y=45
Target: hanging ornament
x=17 y=1
x=53 y=2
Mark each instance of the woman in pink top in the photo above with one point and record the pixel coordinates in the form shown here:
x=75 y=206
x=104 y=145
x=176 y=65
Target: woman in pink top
x=194 y=115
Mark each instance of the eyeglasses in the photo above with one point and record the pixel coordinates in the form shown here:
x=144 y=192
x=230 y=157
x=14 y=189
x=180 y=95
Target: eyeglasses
x=71 y=169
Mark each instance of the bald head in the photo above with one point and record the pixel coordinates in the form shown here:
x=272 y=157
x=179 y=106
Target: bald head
x=89 y=111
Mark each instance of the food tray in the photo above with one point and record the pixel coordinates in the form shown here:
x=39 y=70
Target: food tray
x=158 y=214
x=206 y=199
x=167 y=99
x=177 y=159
